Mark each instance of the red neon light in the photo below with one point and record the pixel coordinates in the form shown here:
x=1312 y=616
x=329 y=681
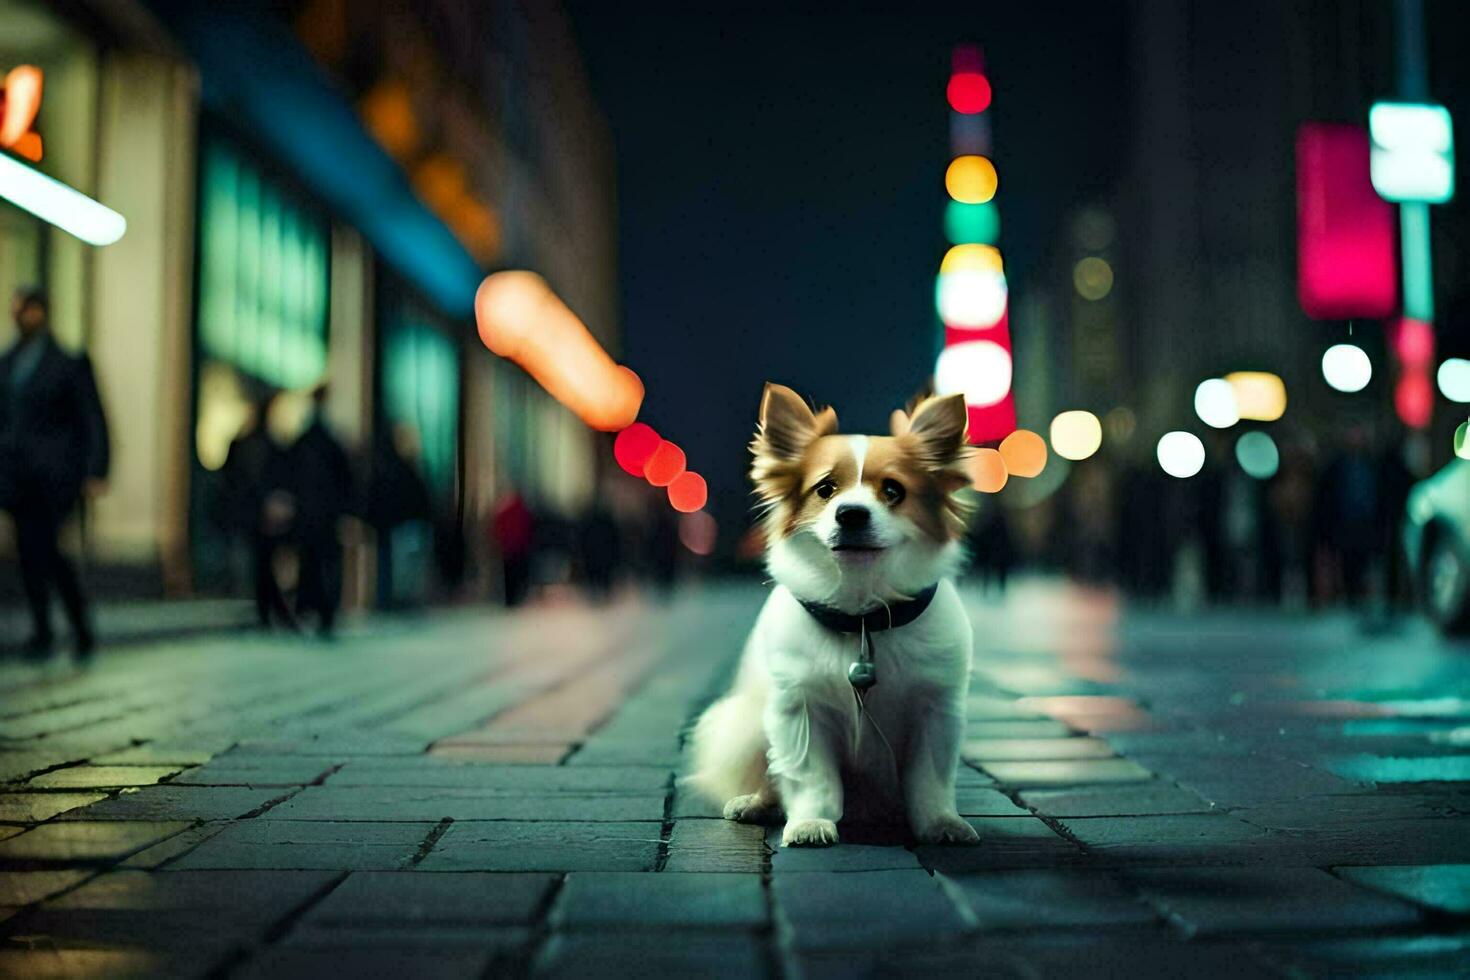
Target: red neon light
x=1412 y=342
x=989 y=423
x=1413 y=398
x=1345 y=232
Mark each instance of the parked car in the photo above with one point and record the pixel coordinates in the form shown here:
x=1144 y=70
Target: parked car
x=1437 y=545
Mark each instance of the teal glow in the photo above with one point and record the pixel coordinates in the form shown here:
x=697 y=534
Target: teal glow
x=421 y=389
x=1418 y=275
x=263 y=276
x=971 y=223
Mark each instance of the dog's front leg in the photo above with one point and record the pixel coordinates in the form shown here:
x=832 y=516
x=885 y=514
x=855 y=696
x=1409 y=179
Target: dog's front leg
x=806 y=764
x=929 y=775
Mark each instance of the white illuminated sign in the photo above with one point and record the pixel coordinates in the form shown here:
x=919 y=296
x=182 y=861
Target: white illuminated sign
x=1413 y=155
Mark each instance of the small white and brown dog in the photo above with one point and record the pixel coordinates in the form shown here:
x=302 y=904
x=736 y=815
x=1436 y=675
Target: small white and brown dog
x=863 y=537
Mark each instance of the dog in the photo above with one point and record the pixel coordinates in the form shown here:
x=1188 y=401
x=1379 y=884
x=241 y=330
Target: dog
x=863 y=539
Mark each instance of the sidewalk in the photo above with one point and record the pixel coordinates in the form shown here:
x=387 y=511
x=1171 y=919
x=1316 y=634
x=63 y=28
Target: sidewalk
x=137 y=621
x=493 y=793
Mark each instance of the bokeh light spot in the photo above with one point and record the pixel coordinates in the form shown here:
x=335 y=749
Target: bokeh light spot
x=688 y=492
x=966 y=224
x=1259 y=395
x=1214 y=403
x=972 y=257
x=1346 y=368
x=1413 y=399
x=972 y=298
x=1093 y=278
x=968 y=92
x=988 y=471
x=1454 y=379
x=1181 y=454
x=1076 y=435
x=698 y=532
x=979 y=369
x=971 y=179
x=1024 y=453
x=666 y=463
x=1257 y=454
x=633 y=447
x=1462 y=440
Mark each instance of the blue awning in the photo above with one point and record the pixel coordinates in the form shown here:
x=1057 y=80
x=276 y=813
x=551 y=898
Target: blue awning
x=256 y=73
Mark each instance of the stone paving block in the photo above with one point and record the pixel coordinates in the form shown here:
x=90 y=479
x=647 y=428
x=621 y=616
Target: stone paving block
x=45 y=963
x=1445 y=887
x=1196 y=838
x=387 y=804
x=611 y=900
x=1233 y=787
x=526 y=755
x=26 y=887
x=1217 y=901
x=1128 y=953
x=241 y=895
x=861 y=849
x=181 y=843
x=521 y=780
x=509 y=944
x=1381 y=769
x=978 y=801
x=101 y=777
x=294 y=844
x=36 y=807
x=251 y=770
x=182 y=803
x=1317 y=812
x=337 y=745
x=160 y=754
x=627 y=956
x=878 y=909
x=421 y=964
x=689 y=803
x=1140 y=799
x=1047 y=899
x=958 y=957
x=716 y=845
x=1005 y=842
x=983 y=750
x=967 y=776
x=81 y=842
x=989 y=707
x=514 y=845
x=1016 y=728
x=1378 y=956
x=402 y=899
x=8 y=832
x=627 y=752
x=1068 y=773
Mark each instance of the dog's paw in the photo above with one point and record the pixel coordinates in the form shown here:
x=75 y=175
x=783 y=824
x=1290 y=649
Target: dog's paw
x=947 y=828
x=809 y=833
x=752 y=808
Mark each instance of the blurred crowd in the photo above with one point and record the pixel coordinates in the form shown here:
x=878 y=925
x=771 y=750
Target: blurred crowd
x=1323 y=529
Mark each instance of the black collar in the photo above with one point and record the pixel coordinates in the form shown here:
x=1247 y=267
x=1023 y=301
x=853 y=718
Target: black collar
x=891 y=616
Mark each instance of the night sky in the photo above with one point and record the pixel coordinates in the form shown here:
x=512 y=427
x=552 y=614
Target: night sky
x=780 y=193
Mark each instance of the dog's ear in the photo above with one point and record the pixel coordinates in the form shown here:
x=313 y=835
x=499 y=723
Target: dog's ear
x=936 y=435
x=898 y=422
x=787 y=425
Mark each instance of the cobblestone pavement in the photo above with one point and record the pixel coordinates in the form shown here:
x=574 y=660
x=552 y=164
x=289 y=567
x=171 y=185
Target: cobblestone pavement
x=478 y=794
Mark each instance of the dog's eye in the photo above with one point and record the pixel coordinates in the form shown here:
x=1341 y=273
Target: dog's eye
x=826 y=489
x=892 y=492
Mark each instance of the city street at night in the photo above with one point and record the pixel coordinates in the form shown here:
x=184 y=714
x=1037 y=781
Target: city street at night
x=1228 y=794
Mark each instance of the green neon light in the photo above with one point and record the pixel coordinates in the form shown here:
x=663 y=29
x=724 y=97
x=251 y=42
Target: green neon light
x=1418 y=275
x=971 y=223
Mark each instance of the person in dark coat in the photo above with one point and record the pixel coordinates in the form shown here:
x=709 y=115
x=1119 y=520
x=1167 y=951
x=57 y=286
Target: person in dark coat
x=252 y=467
x=53 y=448
x=319 y=476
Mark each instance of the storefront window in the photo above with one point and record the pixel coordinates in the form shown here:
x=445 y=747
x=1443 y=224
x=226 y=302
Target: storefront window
x=420 y=390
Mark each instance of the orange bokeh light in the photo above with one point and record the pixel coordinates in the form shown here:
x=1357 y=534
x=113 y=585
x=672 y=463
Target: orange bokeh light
x=1024 y=453
x=988 y=471
x=665 y=465
x=522 y=320
x=29 y=146
x=688 y=492
x=22 y=102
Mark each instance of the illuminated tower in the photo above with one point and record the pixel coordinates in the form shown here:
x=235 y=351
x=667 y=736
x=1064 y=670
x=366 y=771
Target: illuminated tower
x=971 y=293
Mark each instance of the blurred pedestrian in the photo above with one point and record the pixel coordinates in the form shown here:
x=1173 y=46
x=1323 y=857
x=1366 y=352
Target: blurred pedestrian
x=399 y=509
x=513 y=528
x=321 y=480
x=600 y=550
x=1351 y=504
x=255 y=467
x=53 y=451
x=992 y=548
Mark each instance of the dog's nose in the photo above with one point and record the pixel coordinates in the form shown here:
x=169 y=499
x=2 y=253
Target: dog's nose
x=852 y=515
